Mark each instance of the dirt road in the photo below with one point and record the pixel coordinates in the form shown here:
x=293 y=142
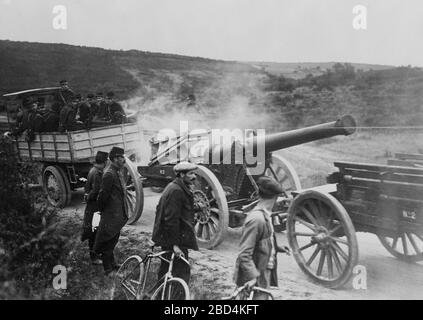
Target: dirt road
x=387 y=277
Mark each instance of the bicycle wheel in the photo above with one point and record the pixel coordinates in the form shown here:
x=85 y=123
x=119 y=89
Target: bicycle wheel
x=172 y=289
x=128 y=279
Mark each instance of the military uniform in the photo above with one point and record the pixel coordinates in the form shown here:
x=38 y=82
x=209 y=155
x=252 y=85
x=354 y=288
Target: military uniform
x=84 y=113
x=116 y=113
x=114 y=213
x=51 y=121
x=92 y=189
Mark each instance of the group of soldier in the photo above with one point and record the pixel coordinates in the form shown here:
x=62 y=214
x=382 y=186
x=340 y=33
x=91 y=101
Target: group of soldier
x=174 y=225
x=68 y=112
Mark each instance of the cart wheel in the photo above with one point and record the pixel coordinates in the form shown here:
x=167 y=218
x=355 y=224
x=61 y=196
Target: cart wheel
x=282 y=171
x=406 y=246
x=322 y=238
x=211 y=209
x=135 y=194
x=57 y=186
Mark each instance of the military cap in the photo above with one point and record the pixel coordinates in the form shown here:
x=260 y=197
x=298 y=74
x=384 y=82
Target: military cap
x=110 y=94
x=90 y=95
x=63 y=82
x=101 y=157
x=184 y=166
x=99 y=94
x=269 y=187
x=115 y=152
x=78 y=96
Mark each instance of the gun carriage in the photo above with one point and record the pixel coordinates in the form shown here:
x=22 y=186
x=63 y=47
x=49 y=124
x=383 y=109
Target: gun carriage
x=384 y=200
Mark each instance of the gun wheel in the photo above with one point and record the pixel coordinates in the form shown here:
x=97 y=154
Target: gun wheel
x=211 y=209
x=322 y=238
x=282 y=171
x=406 y=246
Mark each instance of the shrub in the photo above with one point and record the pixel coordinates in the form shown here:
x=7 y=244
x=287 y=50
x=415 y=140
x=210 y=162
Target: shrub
x=29 y=246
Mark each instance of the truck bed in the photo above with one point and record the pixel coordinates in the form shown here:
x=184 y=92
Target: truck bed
x=81 y=146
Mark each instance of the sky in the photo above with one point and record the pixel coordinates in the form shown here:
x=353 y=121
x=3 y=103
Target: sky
x=243 y=30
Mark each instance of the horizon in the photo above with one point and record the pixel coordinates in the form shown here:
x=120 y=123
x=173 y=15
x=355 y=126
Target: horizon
x=208 y=58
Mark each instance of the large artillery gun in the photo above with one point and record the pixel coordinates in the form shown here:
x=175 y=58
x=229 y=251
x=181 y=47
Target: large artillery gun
x=226 y=190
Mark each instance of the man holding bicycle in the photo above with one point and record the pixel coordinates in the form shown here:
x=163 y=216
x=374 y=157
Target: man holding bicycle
x=256 y=262
x=174 y=222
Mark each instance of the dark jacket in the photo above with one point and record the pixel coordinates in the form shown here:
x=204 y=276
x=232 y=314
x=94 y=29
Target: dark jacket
x=102 y=112
x=65 y=96
x=174 y=222
x=116 y=113
x=51 y=121
x=111 y=204
x=84 y=112
x=67 y=118
x=255 y=249
x=92 y=189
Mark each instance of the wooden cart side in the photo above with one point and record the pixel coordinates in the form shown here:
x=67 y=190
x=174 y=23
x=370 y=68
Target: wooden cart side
x=85 y=144
x=46 y=147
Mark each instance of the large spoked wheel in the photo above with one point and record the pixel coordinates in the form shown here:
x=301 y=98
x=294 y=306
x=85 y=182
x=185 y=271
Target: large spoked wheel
x=406 y=246
x=135 y=194
x=127 y=280
x=211 y=209
x=322 y=238
x=57 y=186
x=282 y=171
x=173 y=289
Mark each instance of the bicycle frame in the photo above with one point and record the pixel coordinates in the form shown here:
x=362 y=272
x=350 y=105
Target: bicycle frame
x=140 y=292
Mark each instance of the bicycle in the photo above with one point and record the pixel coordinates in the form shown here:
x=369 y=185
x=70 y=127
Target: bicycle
x=243 y=293
x=132 y=281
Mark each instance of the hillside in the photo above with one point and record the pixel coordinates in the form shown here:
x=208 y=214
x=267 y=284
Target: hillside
x=211 y=93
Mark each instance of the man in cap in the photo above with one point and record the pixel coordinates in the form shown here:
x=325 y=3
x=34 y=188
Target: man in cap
x=174 y=222
x=256 y=262
x=112 y=206
x=116 y=113
x=66 y=94
x=101 y=113
x=92 y=189
x=29 y=120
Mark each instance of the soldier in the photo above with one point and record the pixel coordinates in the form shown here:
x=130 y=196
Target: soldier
x=92 y=189
x=174 y=222
x=256 y=263
x=116 y=113
x=66 y=94
x=114 y=213
x=101 y=113
x=84 y=113
x=52 y=118
x=29 y=120
x=67 y=118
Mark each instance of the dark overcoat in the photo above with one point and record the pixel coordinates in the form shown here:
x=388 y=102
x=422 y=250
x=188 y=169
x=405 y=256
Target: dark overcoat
x=92 y=189
x=111 y=204
x=174 y=222
x=255 y=249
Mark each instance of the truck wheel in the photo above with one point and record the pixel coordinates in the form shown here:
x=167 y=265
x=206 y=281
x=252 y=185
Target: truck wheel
x=211 y=209
x=57 y=186
x=135 y=193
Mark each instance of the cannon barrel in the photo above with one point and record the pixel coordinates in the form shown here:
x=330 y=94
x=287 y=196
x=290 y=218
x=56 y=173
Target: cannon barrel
x=282 y=140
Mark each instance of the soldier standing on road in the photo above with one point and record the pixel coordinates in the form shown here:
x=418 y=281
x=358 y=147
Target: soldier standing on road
x=113 y=210
x=256 y=263
x=174 y=222
x=92 y=189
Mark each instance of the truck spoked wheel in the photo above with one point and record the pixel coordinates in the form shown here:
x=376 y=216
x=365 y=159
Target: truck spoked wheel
x=406 y=246
x=211 y=209
x=322 y=238
x=134 y=200
x=56 y=186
